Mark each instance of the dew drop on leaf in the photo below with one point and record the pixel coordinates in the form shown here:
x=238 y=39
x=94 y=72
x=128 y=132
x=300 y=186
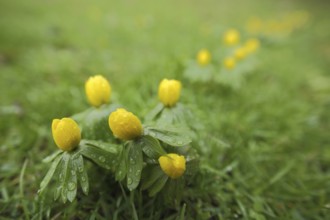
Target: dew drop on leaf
x=129 y=181
x=71 y=186
x=102 y=159
x=138 y=172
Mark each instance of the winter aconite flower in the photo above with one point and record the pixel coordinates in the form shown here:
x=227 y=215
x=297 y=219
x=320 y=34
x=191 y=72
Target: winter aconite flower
x=203 y=57
x=252 y=45
x=231 y=37
x=169 y=92
x=240 y=53
x=66 y=133
x=229 y=63
x=125 y=125
x=173 y=165
x=98 y=90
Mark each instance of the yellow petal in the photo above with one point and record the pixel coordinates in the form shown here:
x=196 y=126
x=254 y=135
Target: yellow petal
x=169 y=92
x=66 y=133
x=98 y=90
x=125 y=125
x=173 y=165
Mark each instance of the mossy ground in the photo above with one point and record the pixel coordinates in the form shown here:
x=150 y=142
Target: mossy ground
x=275 y=163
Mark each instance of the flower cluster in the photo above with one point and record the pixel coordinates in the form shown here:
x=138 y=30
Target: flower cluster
x=229 y=66
x=275 y=28
x=163 y=148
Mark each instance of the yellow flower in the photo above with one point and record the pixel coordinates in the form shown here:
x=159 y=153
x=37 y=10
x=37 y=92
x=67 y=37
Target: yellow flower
x=229 y=63
x=231 y=37
x=125 y=125
x=169 y=92
x=98 y=90
x=66 y=133
x=240 y=53
x=173 y=165
x=252 y=45
x=203 y=57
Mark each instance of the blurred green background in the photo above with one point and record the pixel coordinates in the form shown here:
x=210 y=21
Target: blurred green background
x=276 y=125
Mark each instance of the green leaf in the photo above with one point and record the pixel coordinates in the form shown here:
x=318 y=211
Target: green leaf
x=94 y=122
x=52 y=156
x=49 y=174
x=63 y=175
x=158 y=185
x=71 y=181
x=173 y=191
x=81 y=174
x=151 y=147
x=121 y=169
x=152 y=115
x=172 y=136
x=134 y=165
x=150 y=176
x=103 y=154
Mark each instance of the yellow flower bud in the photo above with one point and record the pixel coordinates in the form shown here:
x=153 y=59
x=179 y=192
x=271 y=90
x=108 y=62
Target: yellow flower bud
x=229 y=63
x=231 y=37
x=240 y=53
x=173 y=165
x=125 y=125
x=252 y=45
x=169 y=92
x=203 y=57
x=98 y=90
x=66 y=133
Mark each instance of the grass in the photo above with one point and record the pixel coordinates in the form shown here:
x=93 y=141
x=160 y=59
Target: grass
x=274 y=162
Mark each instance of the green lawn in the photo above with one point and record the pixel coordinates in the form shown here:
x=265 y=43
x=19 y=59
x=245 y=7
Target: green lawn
x=273 y=161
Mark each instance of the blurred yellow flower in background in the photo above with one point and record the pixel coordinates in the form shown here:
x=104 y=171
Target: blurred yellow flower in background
x=240 y=53
x=98 y=90
x=231 y=37
x=251 y=45
x=169 y=92
x=203 y=57
x=229 y=63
